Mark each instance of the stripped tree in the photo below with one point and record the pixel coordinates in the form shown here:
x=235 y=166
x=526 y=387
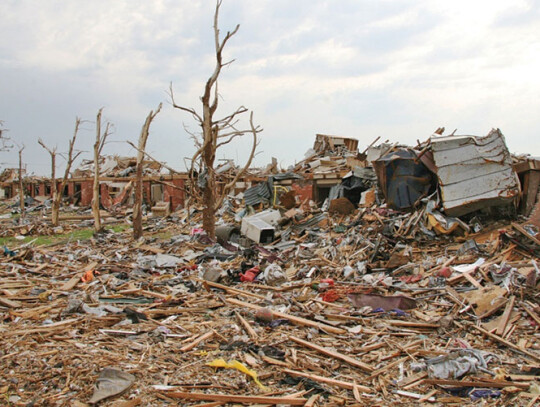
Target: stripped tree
x=21 y=185
x=56 y=193
x=137 y=207
x=215 y=133
x=98 y=147
x=4 y=139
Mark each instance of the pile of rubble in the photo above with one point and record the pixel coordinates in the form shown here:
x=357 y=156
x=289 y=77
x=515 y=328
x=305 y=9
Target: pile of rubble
x=116 y=166
x=408 y=283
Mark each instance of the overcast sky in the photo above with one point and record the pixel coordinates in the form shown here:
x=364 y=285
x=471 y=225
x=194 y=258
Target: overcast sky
x=353 y=68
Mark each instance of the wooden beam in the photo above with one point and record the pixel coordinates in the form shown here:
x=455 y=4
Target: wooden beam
x=505 y=342
x=249 y=329
x=506 y=316
x=476 y=383
x=232 y=398
x=388 y=366
x=327 y=380
x=292 y=318
x=47 y=328
x=472 y=280
x=73 y=281
x=231 y=289
x=420 y=397
x=336 y=355
x=532 y=314
x=6 y=302
x=411 y=324
x=520 y=229
x=193 y=344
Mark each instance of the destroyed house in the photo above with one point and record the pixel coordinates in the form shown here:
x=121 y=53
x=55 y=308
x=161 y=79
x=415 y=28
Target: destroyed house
x=114 y=191
x=116 y=181
x=469 y=172
x=474 y=172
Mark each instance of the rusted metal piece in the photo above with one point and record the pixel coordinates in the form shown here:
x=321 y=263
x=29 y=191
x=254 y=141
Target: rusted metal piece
x=379 y=301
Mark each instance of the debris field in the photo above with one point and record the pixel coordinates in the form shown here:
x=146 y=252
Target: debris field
x=336 y=304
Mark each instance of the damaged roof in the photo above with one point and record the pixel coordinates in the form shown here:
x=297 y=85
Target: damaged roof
x=474 y=172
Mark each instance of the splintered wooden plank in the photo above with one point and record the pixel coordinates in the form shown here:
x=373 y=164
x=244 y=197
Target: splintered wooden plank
x=6 y=302
x=336 y=355
x=193 y=344
x=249 y=329
x=151 y=249
x=312 y=400
x=506 y=316
x=73 y=281
x=421 y=397
x=294 y=319
x=520 y=229
x=532 y=314
x=231 y=290
x=334 y=382
x=47 y=328
x=411 y=324
x=233 y=398
x=498 y=384
x=389 y=366
x=505 y=342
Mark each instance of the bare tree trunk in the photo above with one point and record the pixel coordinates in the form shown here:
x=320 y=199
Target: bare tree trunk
x=137 y=207
x=53 y=174
x=55 y=204
x=21 y=186
x=98 y=147
x=54 y=208
x=70 y=158
x=209 y=190
x=58 y=193
x=209 y=214
x=5 y=141
x=95 y=184
x=215 y=133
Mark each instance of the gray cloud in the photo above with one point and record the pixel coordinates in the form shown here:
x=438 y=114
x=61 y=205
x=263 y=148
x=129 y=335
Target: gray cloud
x=397 y=69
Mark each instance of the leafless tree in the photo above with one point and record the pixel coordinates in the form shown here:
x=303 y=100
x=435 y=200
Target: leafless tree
x=215 y=134
x=101 y=138
x=4 y=139
x=57 y=193
x=137 y=207
x=21 y=185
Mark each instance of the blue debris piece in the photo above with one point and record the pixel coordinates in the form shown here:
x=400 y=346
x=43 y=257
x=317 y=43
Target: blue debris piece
x=484 y=393
x=8 y=252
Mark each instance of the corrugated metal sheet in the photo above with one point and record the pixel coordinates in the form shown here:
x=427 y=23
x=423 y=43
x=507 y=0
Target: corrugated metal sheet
x=285 y=175
x=312 y=222
x=257 y=194
x=474 y=172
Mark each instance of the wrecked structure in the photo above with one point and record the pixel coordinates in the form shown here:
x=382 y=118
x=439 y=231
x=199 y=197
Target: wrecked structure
x=315 y=293
x=469 y=172
x=474 y=172
x=116 y=184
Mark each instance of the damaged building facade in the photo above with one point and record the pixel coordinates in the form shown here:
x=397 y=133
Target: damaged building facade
x=116 y=184
x=462 y=173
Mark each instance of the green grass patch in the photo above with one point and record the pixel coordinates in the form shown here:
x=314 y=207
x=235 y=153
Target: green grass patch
x=79 y=234
x=43 y=240
x=119 y=228
x=160 y=235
